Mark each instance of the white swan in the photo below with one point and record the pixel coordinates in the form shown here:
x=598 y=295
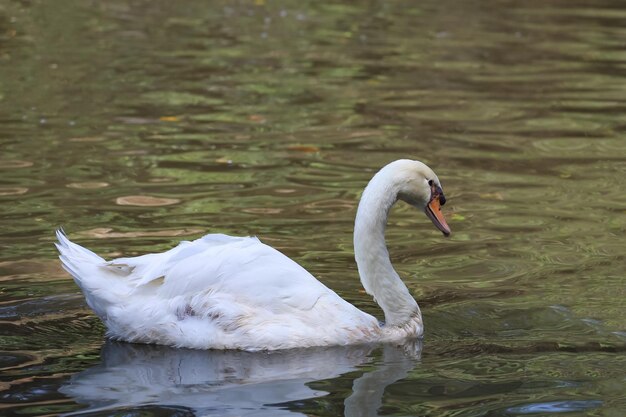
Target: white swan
x=222 y=292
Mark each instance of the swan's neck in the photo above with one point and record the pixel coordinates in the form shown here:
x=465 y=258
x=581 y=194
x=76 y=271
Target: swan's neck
x=377 y=274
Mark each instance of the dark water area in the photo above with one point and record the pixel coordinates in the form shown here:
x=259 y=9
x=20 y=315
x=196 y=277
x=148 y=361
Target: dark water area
x=138 y=124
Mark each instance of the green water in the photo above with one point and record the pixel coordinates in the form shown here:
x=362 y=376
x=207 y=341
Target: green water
x=142 y=123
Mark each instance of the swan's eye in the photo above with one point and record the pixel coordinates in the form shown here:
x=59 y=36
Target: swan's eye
x=430 y=182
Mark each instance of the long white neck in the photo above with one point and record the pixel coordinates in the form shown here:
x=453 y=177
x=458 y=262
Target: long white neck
x=377 y=274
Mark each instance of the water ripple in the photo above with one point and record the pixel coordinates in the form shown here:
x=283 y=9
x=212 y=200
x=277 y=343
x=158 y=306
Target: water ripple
x=565 y=406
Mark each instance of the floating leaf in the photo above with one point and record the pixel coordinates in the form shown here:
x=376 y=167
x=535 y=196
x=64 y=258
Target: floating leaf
x=11 y=164
x=458 y=217
x=161 y=179
x=13 y=190
x=363 y=133
x=169 y=119
x=145 y=201
x=257 y=118
x=87 y=185
x=263 y=210
x=492 y=196
x=224 y=160
x=303 y=148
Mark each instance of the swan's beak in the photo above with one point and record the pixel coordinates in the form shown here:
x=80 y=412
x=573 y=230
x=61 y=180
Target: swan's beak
x=433 y=211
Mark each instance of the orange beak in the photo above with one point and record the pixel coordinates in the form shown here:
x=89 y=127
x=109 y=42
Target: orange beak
x=433 y=211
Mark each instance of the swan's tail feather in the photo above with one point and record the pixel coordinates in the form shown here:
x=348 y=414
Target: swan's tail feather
x=86 y=269
x=74 y=257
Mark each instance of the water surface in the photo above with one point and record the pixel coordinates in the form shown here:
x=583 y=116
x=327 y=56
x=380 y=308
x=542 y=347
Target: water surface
x=139 y=124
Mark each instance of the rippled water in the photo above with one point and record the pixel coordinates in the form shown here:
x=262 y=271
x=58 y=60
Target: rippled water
x=138 y=124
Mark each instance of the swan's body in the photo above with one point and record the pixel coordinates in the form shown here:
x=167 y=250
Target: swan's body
x=222 y=292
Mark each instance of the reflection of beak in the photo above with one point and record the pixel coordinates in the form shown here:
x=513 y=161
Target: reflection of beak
x=433 y=211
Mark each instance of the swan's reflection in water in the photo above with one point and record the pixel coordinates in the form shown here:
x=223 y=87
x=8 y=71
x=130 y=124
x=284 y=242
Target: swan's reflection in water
x=235 y=383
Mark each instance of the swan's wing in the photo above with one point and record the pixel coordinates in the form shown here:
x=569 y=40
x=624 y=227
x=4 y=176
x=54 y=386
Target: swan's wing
x=243 y=268
x=215 y=292
x=224 y=292
x=141 y=270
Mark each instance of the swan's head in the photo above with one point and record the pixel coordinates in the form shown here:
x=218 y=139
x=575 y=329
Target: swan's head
x=419 y=186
